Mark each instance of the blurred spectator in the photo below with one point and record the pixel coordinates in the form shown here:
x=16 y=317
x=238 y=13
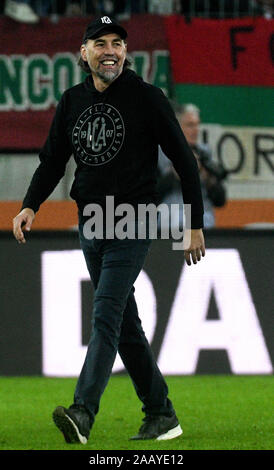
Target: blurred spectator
x=21 y=11
x=80 y=7
x=103 y=7
x=226 y=8
x=74 y=9
x=125 y=8
x=120 y=8
x=266 y=8
x=211 y=174
x=136 y=6
x=161 y=7
x=94 y=7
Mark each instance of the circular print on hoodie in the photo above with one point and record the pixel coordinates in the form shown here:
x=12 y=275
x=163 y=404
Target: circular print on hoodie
x=98 y=134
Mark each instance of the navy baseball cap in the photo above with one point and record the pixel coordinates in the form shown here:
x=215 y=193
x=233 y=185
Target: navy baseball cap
x=104 y=25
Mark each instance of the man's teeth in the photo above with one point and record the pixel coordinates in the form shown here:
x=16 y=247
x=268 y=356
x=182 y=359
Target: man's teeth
x=108 y=62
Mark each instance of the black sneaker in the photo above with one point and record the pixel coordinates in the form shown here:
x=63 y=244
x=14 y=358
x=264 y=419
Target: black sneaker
x=73 y=422
x=160 y=428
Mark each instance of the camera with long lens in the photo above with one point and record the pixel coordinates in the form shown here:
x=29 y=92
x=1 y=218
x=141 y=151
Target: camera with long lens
x=214 y=168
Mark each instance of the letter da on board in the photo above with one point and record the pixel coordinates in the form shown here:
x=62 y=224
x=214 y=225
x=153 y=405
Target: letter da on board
x=187 y=332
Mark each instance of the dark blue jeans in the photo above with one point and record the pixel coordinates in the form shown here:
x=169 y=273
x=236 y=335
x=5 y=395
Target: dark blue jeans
x=114 y=266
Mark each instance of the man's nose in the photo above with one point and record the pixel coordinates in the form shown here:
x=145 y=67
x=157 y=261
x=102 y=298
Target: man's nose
x=109 y=49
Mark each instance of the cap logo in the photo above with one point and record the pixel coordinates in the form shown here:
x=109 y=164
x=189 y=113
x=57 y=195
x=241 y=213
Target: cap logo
x=106 y=20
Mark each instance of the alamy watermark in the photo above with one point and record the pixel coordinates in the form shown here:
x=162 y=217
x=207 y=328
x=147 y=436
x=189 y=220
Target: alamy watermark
x=143 y=221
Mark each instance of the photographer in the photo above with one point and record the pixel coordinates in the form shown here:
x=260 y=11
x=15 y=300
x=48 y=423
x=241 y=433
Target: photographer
x=211 y=173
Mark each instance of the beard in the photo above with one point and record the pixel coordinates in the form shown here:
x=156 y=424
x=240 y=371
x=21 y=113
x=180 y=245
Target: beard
x=107 y=76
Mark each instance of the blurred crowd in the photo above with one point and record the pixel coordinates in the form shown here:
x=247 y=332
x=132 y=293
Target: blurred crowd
x=29 y=11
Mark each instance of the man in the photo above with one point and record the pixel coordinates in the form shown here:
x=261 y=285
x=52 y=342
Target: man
x=211 y=174
x=112 y=123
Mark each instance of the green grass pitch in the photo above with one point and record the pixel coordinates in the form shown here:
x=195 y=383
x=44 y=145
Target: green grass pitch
x=215 y=412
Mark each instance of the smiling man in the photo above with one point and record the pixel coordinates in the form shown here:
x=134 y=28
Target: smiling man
x=113 y=123
x=105 y=53
x=105 y=57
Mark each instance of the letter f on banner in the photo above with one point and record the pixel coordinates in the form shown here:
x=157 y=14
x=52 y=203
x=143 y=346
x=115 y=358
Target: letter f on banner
x=236 y=48
x=238 y=329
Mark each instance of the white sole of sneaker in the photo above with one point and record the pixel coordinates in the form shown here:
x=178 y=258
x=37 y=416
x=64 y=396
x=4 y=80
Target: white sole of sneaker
x=81 y=438
x=171 y=434
x=67 y=426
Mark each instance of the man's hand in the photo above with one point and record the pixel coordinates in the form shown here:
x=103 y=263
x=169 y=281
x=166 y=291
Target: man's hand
x=23 y=221
x=196 y=248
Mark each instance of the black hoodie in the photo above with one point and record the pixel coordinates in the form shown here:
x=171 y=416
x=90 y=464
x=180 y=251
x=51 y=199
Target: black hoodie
x=114 y=137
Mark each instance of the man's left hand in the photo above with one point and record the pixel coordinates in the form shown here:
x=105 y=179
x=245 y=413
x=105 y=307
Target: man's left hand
x=197 y=247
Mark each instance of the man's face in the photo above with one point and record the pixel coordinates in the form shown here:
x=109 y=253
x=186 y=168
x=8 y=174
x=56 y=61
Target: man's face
x=190 y=123
x=105 y=56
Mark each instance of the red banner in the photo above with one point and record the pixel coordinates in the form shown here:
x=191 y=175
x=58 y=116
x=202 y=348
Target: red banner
x=38 y=62
x=222 y=52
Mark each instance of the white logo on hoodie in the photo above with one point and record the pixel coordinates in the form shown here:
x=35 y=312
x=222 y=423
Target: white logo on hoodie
x=98 y=134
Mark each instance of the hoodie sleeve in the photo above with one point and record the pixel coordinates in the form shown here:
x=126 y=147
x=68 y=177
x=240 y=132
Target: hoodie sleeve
x=170 y=137
x=53 y=159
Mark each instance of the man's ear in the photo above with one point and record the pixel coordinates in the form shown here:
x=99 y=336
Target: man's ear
x=83 y=52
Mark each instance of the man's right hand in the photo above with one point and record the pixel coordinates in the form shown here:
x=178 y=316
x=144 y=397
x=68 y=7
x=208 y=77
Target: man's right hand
x=23 y=221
